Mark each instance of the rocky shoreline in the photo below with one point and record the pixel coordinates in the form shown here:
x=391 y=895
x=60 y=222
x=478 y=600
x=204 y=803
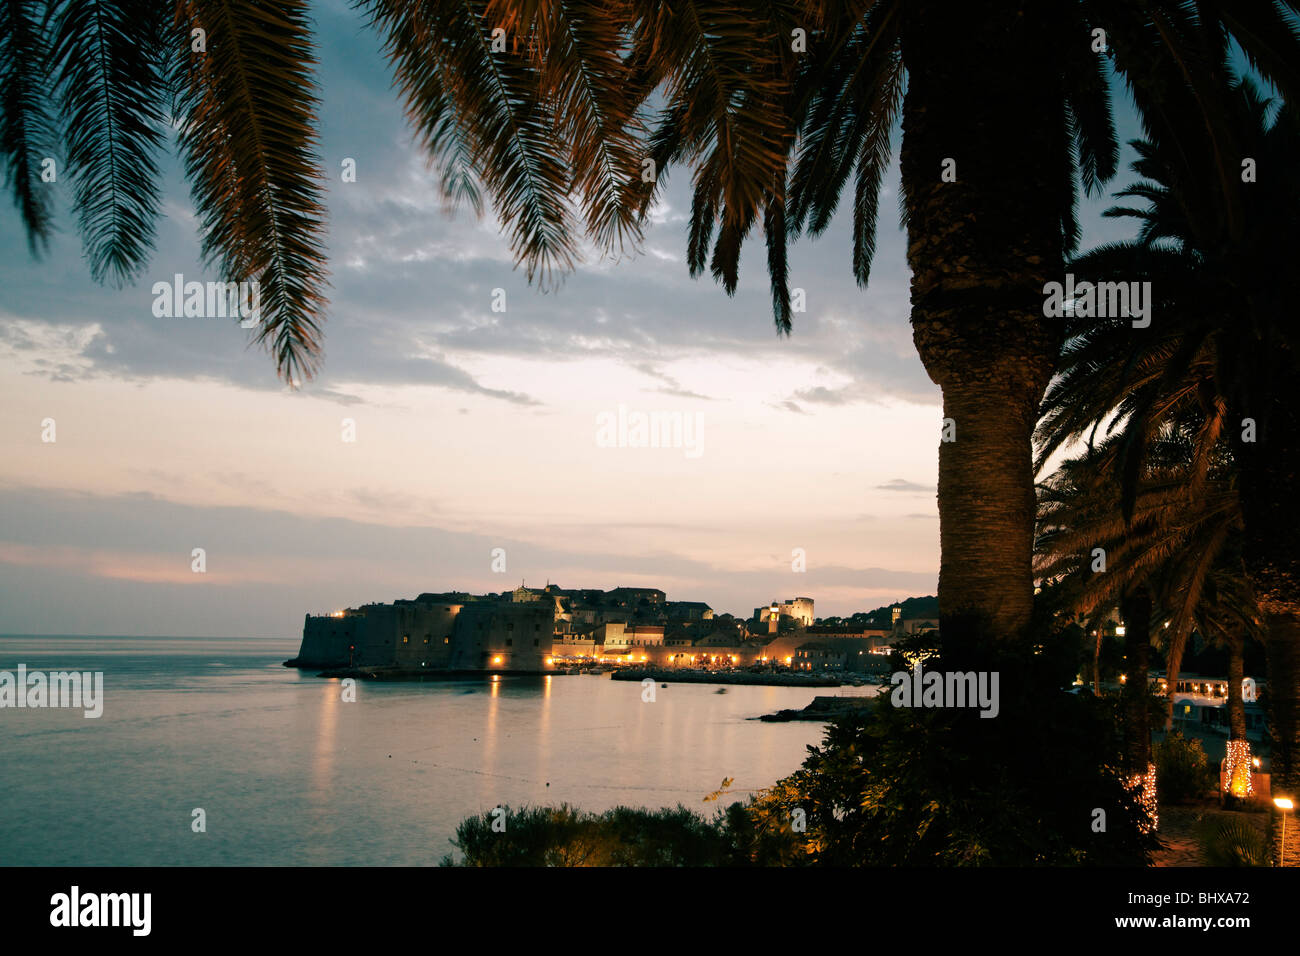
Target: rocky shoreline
x=821 y=709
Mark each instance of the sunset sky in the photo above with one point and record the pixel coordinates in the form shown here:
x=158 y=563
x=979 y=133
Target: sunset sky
x=474 y=430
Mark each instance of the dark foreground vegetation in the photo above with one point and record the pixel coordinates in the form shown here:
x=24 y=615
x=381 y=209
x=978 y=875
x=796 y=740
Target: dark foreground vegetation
x=887 y=786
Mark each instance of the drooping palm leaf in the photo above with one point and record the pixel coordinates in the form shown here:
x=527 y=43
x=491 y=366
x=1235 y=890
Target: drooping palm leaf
x=463 y=96
x=106 y=59
x=248 y=137
x=583 y=78
x=26 y=120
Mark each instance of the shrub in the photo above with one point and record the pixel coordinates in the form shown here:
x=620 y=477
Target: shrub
x=1234 y=842
x=1181 y=768
x=908 y=786
x=623 y=836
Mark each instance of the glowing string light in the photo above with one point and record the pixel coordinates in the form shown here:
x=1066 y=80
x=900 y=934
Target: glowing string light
x=1237 y=777
x=1147 y=783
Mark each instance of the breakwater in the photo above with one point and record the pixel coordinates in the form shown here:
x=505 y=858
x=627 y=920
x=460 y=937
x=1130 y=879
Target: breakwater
x=726 y=677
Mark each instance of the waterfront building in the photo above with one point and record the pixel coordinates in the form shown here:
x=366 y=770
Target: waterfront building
x=818 y=656
x=525 y=629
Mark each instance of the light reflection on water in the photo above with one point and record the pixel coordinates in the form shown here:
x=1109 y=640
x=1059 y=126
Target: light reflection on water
x=289 y=773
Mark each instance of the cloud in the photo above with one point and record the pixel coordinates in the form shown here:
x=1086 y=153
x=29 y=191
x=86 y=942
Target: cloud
x=899 y=484
x=671 y=385
x=820 y=395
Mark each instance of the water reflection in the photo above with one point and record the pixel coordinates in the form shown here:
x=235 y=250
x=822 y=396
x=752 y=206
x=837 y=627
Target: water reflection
x=320 y=796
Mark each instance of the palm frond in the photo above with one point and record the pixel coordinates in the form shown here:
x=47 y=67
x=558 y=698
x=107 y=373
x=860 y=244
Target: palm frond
x=248 y=138
x=26 y=121
x=464 y=98
x=1087 y=98
x=106 y=57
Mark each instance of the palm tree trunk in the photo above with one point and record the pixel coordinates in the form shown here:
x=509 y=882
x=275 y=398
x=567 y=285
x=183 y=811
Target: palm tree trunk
x=1173 y=665
x=1238 y=770
x=1236 y=674
x=1136 y=609
x=981 y=248
x=1269 y=476
x=1096 y=660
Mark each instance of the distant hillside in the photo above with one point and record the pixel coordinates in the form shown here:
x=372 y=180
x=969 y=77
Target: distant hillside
x=914 y=607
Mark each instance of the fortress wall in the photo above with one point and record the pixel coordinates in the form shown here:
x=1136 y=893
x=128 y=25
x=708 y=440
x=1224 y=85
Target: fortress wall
x=325 y=641
x=520 y=635
x=424 y=634
x=434 y=636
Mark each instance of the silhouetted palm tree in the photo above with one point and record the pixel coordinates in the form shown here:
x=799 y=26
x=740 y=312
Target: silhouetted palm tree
x=1224 y=357
x=94 y=87
x=1167 y=560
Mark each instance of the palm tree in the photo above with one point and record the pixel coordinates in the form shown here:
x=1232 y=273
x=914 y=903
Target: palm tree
x=548 y=106
x=1225 y=358
x=1168 y=555
x=1229 y=617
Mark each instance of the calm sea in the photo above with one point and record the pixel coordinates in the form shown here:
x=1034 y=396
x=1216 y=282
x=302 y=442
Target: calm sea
x=290 y=774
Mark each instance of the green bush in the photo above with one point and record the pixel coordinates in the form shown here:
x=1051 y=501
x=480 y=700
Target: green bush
x=1181 y=768
x=898 y=786
x=623 y=836
x=1234 y=842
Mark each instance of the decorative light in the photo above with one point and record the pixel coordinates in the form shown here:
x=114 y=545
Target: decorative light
x=1284 y=804
x=1147 y=798
x=917 y=657
x=496 y=660
x=1123 y=678
x=1237 y=778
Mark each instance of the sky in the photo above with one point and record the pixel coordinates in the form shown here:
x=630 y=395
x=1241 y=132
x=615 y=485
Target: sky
x=475 y=430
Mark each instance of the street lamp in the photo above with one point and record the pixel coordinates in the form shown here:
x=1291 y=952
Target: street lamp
x=1284 y=804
